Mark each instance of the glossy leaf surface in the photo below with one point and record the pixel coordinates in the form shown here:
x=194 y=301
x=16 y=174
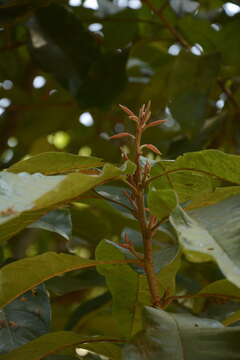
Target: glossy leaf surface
x=170 y=336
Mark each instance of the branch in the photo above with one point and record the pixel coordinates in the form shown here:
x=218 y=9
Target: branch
x=168 y=25
x=139 y=184
x=229 y=94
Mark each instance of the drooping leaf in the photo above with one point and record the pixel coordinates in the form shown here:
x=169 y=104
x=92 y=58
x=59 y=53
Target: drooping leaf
x=127 y=308
x=162 y=202
x=36 y=270
x=53 y=343
x=51 y=163
x=169 y=336
x=24 y=319
x=58 y=221
x=212 y=230
x=24 y=198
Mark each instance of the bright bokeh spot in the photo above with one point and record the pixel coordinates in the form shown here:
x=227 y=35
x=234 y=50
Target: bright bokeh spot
x=12 y=141
x=85 y=151
x=174 y=49
x=7 y=156
x=74 y=2
x=7 y=84
x=60 y=139
x=125 y=149
x=39 y=82
x=197 y=50
x=123 y=3
x=5 y=102
x=53 y=91
x=216 y=27
x=2 y=110
x=135 y=4
x=91 y=4
x=81 y=352
x=95 y=27
x=231 y=9
x=220 y=104
x=86 y=119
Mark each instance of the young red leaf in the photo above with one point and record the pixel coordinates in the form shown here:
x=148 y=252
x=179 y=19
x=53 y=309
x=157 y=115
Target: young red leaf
x=153 y=148
x=127 y=110
x=134 y=118
x=121 y=135
x=155 y=123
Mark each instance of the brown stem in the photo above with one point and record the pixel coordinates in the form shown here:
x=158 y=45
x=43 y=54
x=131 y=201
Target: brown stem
x=146 y=232
x=229 y=94
x=168 y=25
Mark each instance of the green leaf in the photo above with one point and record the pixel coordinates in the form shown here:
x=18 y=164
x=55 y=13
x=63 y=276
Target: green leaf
x=24 y=198
x=58 y=221
x=162 y=202
x=197 y=174
x=125 y=307
x=219 y=194
x=190 y=83
x=127 y=24
x=213 y=231
x=235 y=317
x=128 y=167
x=167 y=274
x=169 y=336
x=199 y=31
x=53 y=343
x=85 y=70
x=228 y=44
x=51 y=163
x=220 y=287
x=24 y=319
x=86 y=308
x=36 y=270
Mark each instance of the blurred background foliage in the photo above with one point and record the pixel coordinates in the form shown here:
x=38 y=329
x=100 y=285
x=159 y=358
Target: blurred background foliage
x=64 y=67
